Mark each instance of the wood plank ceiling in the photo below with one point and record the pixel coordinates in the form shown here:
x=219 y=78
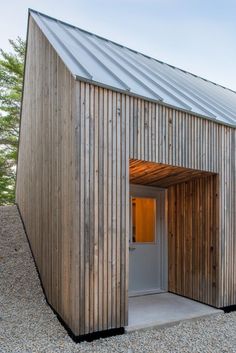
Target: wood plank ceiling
x=161 y=175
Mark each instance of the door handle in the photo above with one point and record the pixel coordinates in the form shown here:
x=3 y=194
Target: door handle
x=132 y=248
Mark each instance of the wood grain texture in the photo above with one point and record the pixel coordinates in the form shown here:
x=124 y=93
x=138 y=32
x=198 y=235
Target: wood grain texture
x=103 y=189
x=46 y=174
x=193 y=229
x=73 y=190
x=193 y=239
x=161 y=175
x=179 y=139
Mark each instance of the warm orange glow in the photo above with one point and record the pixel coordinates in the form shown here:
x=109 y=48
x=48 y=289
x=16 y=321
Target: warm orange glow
x=143 y=220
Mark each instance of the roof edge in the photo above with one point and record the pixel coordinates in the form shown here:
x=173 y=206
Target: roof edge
x=133 y=50
x=128 y=93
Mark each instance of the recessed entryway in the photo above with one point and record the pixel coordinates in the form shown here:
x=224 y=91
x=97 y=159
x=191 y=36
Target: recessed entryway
x=192 y=227
x=164 y=309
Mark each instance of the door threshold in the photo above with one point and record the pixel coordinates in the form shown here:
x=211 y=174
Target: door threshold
x=146 y=292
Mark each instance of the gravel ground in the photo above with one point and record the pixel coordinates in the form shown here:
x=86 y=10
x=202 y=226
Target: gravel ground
x=27 y=324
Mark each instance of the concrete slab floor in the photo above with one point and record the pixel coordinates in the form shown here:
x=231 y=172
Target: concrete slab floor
x=164 y=309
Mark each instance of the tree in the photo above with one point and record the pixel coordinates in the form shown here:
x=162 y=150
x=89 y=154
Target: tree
x=11 y=80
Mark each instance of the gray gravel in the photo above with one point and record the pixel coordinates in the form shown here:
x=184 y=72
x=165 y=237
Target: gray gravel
x=27 y=324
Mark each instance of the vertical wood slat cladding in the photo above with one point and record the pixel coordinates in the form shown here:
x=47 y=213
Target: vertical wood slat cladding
x=73 y=190
x=182 y=139
x=193 y=239
x=103 y=189
x=46 y=172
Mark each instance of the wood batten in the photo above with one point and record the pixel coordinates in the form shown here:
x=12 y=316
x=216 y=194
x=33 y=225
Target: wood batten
x=46 y=173
x=73 y=190
x=193 y=233
x=103 y=191
x=173 y=138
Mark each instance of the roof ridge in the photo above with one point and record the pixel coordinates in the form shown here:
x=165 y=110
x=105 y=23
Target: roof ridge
x=132 y=50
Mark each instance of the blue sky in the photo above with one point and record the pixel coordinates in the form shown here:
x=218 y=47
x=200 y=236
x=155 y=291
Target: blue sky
x=195 y=35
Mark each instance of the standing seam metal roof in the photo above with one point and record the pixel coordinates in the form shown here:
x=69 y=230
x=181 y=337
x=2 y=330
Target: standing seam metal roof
x=103 y=62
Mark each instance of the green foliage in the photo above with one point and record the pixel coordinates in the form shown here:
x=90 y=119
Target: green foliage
x=11 y=80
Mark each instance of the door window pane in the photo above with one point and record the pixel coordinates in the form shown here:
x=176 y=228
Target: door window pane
x=143 y=220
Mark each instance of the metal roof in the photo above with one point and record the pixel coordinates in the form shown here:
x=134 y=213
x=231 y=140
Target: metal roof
x=100 y=61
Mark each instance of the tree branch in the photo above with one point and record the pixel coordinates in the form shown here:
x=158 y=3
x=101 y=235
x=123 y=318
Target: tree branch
x=8 y=142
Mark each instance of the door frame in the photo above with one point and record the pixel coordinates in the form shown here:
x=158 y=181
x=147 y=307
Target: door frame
x=154 y=192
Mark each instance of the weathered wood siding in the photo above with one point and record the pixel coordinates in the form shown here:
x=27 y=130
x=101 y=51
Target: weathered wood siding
x=102 y=189
x=193 y=233
x=73 y=190
x=164 y=135
x=46 y=172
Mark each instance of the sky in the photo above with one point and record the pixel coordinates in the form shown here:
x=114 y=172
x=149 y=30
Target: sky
x=195 y=35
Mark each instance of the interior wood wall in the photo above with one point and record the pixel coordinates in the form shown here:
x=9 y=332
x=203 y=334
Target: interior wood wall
x=193 y=233
x=165 y=135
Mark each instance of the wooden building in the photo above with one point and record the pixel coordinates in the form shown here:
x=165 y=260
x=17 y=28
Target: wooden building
x=126 y=178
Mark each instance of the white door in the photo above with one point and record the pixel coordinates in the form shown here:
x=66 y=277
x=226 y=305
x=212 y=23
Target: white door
x=147 y=245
